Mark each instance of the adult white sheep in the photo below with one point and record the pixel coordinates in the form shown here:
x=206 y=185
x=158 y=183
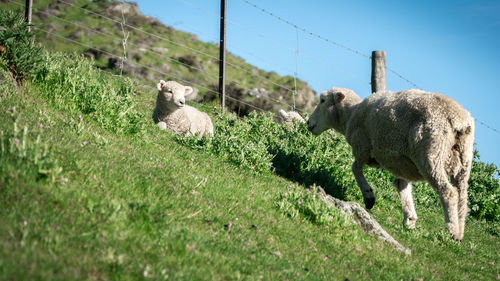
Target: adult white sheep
x=171 y=111
x=287 y=118
x=415 y=135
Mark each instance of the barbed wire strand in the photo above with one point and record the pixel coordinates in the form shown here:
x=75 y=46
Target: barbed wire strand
x=391 y=70
x=168 y=40
x=352 y=50
x=97 y=31
x=156 y=70
x=272 y=40
x=402 y=77
x=237 y=83
x=487 y=126
x=113 y=36
x=141 y=30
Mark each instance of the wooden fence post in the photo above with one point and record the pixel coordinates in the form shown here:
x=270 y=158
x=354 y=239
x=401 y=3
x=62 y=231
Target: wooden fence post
x=378 y=71
x=28 y=12
x=222 y=54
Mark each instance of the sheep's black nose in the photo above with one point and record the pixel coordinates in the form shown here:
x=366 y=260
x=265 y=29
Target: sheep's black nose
x=182 y=102
x=309 y=126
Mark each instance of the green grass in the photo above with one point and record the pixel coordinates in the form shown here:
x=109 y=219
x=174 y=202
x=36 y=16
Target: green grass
x=91 y=189
x=141 y=206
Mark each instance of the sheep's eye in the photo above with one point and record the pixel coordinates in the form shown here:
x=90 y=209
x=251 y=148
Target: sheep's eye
x=321 y=101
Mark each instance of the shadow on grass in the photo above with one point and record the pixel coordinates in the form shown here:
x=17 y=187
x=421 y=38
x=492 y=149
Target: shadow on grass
x=288 y=165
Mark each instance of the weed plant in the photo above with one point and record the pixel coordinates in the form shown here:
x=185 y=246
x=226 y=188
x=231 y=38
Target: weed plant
x=18 y=53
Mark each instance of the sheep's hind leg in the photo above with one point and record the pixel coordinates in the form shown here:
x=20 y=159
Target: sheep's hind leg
x=460 y=182
x=449 y=199
x=405 y=193
x=366 y=189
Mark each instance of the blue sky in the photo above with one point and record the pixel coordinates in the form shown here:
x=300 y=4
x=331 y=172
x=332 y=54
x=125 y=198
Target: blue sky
x=451 y=47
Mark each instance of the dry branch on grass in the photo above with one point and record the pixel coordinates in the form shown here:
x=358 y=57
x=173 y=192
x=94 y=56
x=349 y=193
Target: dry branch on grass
x=362 y=218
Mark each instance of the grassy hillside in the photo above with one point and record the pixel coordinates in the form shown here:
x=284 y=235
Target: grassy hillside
x=155 y=51
x=91 y=189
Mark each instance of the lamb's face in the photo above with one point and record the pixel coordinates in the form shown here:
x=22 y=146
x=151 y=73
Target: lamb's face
x=282 y=114
x=326 y=112
x=173 y=93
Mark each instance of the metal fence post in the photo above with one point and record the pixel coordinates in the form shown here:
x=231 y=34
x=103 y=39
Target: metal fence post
x=222 y=54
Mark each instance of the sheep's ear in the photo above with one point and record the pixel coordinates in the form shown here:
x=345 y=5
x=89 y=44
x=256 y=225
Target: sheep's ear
x=187 y=90
x=339 y=97
x=160 y=85
x=282 y=113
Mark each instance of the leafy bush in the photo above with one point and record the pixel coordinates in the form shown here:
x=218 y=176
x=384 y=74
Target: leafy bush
x=258 y=143
x=484 y=190
x=18 y=53
x=241 y=143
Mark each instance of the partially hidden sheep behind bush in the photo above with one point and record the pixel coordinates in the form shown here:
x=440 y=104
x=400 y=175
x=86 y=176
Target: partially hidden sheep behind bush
x=415 y=135
x=172 y=113
x=287 y=118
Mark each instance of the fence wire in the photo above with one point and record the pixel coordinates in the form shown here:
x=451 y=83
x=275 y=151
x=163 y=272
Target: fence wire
x=125 y=35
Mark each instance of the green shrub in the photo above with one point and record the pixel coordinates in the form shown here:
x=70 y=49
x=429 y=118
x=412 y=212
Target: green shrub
x=239 y=142
x=258 y=143
x=484 y=190
x=18 y=53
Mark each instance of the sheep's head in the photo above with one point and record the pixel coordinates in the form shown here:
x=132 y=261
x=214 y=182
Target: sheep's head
x=282 y=114
x=173 y=93
x=328 y=112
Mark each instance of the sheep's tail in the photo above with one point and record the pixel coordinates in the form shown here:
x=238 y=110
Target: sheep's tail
x=464 y=143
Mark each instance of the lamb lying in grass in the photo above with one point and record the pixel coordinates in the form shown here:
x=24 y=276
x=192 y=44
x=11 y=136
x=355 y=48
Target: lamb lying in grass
x=415 y=135
x=287 y=118
x=173 y=114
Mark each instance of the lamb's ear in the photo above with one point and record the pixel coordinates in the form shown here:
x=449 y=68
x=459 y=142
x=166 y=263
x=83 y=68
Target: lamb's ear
x=187 y=90
x=160 y=85
x=339 y=97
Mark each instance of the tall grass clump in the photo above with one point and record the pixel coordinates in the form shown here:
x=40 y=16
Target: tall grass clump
x=26 y=147
x=18 y=53
x=69 y=81
x=74 y=83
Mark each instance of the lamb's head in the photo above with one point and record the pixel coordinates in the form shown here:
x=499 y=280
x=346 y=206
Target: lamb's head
x=282 y=114
x=172 y=94
x=330 y=110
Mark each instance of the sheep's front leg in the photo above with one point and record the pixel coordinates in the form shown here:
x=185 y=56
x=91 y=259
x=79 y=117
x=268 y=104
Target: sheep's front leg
x=405 y=193
x=162 y=125
x=366 y=189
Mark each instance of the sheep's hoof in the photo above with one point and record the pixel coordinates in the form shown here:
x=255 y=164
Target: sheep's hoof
x=369 y=202
x=455 y=235
x=410 y=223
x=162 y=125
